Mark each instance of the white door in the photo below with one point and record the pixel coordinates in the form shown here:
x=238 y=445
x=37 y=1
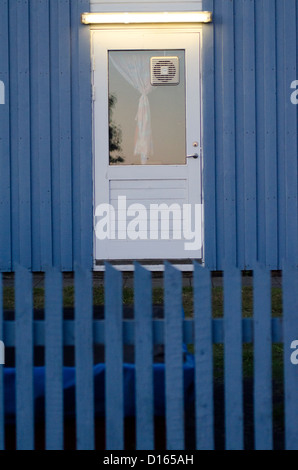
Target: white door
x=147 y=144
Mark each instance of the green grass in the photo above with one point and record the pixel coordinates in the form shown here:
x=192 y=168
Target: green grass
x=247 y=302
x=128 y=299
x=247 y=312
x=98 y=297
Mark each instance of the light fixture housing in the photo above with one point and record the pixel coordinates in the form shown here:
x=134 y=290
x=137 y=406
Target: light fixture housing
x=147 y=17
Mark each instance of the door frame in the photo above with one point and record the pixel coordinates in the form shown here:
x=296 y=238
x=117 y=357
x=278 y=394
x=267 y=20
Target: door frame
x=175 y=28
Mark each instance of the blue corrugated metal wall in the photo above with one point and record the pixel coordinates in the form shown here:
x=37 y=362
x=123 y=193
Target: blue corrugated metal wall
x=45 y=135
x=250 y=134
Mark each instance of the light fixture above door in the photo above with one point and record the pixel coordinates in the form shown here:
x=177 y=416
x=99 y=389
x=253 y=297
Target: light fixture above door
x=147 y=17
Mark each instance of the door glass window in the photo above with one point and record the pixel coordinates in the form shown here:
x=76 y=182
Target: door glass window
x=147 y=101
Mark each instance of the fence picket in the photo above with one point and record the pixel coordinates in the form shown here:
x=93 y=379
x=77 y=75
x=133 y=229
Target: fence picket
x=84 y=359
x=174 y=358
x=114 y=359
x=24 y=359
x=143 y=359
x=290 y=305
x=233 y=359
x=203 y=359
x=262 y=360
x=2 y=415
x=54 y=359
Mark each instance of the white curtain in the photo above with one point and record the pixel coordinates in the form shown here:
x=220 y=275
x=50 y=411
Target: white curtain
x=135 y=68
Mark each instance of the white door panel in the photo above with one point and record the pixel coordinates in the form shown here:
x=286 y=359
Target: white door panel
x=163 y=175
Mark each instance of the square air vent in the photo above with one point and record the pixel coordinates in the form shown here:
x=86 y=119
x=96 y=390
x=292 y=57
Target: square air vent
x=164 y=71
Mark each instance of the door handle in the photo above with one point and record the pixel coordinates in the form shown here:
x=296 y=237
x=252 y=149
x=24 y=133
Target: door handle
x=195 y=155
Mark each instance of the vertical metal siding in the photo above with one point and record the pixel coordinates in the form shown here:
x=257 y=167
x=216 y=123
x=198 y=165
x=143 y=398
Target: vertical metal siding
x=20 y=124
x=250 y=133
x=241 y=61
x=45 y=135
x=270 y=156
x=260 y=90
x=61 y=133
x=281 y=97
x=229 y=134
x=248 y=216
x=40 y=93
x=82 y=138
x=209 y=112
x=5 y=201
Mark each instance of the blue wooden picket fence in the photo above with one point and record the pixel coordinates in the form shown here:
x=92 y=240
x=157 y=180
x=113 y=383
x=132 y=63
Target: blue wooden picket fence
x=202 y=331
